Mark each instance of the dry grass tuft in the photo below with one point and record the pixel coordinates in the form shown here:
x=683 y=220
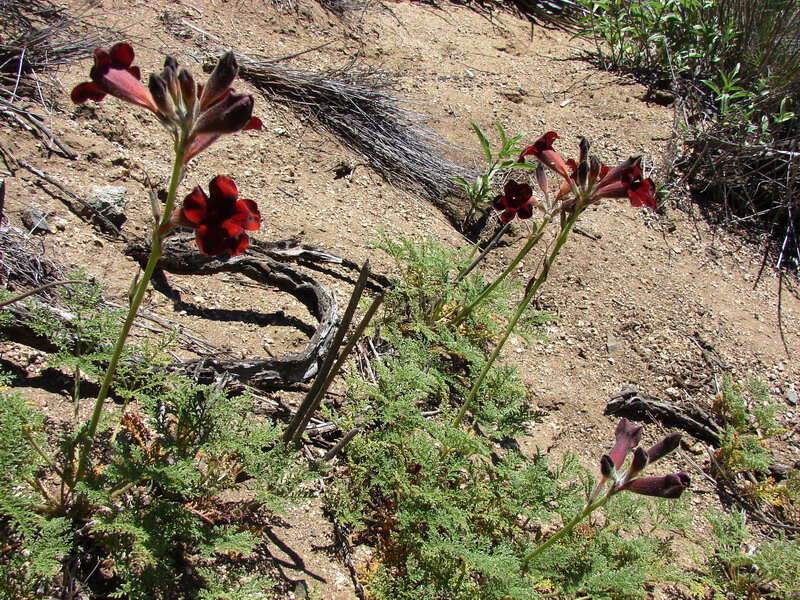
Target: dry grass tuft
x=357 y=106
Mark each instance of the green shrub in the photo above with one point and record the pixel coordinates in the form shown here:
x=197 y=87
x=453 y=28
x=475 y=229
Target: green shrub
x=452 y=512
x=740 y=567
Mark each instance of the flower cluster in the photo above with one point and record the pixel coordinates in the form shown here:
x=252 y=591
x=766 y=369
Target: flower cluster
x=196 y=115
x=220 y=218
x=627 y=440
x=588 y=179
x=515 y=201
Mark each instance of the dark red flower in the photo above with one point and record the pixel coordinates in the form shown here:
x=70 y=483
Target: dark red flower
x=627 y=438
x=626 y=180
x=666 y=486
x=542 y=149
x=202 y=113
x=516 y=200
x=220 y=219
x=113 y=73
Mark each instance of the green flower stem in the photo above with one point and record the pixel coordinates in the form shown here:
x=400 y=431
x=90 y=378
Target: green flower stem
x=90 y=430
x=532 y=241
x=468 y=269
x=565 y=530
x=529 y=295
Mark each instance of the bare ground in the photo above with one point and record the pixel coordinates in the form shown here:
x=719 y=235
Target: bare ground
x=659 y=302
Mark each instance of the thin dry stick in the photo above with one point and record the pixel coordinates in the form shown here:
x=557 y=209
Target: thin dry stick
x=72 y=196
x=303 y=414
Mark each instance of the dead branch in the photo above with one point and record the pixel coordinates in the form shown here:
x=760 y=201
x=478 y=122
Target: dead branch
x=689 y=417
x=182 y=258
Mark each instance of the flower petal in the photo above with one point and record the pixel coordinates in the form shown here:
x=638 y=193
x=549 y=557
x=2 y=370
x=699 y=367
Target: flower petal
x=642 y=192
x=195 y=208
x=121 y=84
x=627 y=438
x=223 y=191
x=121 y=55
x=525 y=211
x=211 y=240
x=253 y=123
x=87 y=90
x=198 y=144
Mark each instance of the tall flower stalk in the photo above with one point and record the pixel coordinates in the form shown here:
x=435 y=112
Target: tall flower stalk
x=585 y=182
x=196 y=116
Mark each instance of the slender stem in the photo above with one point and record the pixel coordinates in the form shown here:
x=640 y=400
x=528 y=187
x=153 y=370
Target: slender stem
x=155 y=254
x=29 y=436
x=467 y=270
x=532 y=241
x=587 y=510
x=296 y=426
x=529 y=295
x=76 y=395
x=41 y=288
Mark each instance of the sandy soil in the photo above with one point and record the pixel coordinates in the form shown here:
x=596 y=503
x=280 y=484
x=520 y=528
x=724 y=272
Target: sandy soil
x=662 y=303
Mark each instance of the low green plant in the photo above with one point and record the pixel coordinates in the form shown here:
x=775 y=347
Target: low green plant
x=748 y=416
x=460 y=513
x=740 y=566
x=154 y=521
x=749 y=423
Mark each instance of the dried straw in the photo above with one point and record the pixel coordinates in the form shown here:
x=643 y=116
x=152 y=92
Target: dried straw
x=357 y=106
x=37 y=36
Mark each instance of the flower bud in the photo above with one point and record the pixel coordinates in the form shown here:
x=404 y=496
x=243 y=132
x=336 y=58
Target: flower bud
x=188 y=89
x=226 y=116
x=170 y=77
x=594 y=170
x=220 y=80
x=668 y=486
x=638 y=462
x=584 y=147
x=606 y=466
x=664 y=447
x=158 y=89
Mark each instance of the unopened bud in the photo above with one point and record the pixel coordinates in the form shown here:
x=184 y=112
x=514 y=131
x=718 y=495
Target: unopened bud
x=638 y=462
x=584 y=146
x=163 y=100
x=227 y=116
x=220 y=80
x=664 y=447
x=594 y=170
x=583 y=173
x=606 y=466
x=188 y=89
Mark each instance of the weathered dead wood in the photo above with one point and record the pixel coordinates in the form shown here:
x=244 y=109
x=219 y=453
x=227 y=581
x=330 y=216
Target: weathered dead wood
x=23 y=267
x=688 y=417
x=181 y=257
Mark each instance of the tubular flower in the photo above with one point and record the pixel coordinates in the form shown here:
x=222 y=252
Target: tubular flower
x=667 y=486
x=113 y=73
x=627 y=439
x=542 y=149
x=220 y=219
x=589 y=180
x=516 y=200
x=196 y=115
